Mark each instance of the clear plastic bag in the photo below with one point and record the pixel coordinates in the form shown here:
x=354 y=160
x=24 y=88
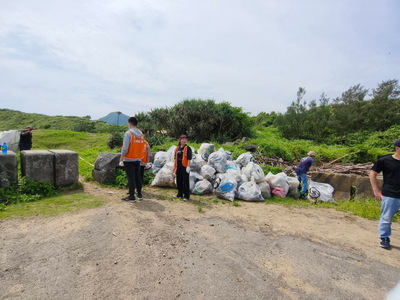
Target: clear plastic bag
x=217 y=160
x=207 y=172
x=160 y=158
x=253 y=170
x=249 y=191
x=265 y=189
x=165 y=177
x=202 y=187
x=320 y=191
x=293 y=186
x=244 y=159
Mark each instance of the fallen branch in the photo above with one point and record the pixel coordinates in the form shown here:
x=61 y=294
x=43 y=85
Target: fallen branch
x=337 y=159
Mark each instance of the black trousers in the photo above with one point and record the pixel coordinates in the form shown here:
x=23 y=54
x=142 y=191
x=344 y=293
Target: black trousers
x=132 y=169
x=182 y=181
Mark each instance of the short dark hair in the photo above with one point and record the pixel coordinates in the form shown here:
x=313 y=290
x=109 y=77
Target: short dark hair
x=133 y=121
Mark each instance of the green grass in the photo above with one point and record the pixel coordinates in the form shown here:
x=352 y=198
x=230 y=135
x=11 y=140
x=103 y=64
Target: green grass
x=88 y=145
x=52 y=206
x=363 y=207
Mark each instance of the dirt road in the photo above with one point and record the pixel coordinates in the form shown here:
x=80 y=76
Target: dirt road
x=162 y=249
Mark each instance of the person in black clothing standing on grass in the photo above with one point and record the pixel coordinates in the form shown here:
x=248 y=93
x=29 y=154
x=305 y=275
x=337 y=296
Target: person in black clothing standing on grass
x=390 y=193
x=25 y=139
x=132 y=153
x=183 y=156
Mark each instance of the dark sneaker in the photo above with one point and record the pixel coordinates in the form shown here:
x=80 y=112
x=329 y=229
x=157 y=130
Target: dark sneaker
x=140 y=196
x=303 y=197
x=129 y=199
x=178 y=196
x=385 y=243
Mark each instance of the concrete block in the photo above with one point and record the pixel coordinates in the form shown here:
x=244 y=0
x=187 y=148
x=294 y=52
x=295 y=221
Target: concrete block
x=8 y=169
x=363 y=186
x=341 y=183
x=66 y=167
x=38 y=165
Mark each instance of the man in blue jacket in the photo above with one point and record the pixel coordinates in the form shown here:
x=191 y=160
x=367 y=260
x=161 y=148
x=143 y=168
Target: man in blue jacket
x=306 y=164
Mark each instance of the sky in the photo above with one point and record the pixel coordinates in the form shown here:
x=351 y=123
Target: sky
x=94 y=57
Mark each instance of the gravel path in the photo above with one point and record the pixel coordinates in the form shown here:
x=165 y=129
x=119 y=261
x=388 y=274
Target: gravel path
x=161 y=249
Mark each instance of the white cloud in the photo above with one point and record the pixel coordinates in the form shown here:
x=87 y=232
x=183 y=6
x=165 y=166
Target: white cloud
x=102 y=56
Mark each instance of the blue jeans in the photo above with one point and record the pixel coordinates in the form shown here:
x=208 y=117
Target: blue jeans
x=389 y=208
x=304 y=183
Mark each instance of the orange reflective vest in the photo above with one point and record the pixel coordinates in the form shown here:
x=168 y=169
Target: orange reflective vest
x=136 y=148
x=184 y=157
x=145 y=158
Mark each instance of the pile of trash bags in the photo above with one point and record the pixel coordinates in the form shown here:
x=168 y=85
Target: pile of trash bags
x=214 y=171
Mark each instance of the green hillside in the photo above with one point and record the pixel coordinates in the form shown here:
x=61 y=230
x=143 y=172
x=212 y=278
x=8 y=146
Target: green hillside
x=13 y=119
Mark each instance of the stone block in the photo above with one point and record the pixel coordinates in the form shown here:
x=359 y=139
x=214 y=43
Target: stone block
x=66 y=167
x=38 y=165
x=8 y=169
x=104 y=176
x=107 y=161
x=363 y=186
x=104 y=167
x=341 y=183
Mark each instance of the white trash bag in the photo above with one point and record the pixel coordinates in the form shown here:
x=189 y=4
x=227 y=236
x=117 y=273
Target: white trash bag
x=202 y=187
x=171 y=153
x=160 y=158
x=226 y=188
x=217 y=160
x=253 y=170
x=249 y=191
x=11 y=137
x=278 y=184
x=320 y=191
x=165 y=177
x=293 y=186
x=265 y=189
x=207 y=172
x=205 y=150
x=193 y=177
x=196 y=163
x=244 y=159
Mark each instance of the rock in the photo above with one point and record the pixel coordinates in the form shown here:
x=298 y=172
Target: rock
x=107 y=161
x=104 y=167
x=250 y=147
x=8 y=169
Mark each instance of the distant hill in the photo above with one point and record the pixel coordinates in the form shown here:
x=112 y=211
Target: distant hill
x=13 y=119
x=115 y=118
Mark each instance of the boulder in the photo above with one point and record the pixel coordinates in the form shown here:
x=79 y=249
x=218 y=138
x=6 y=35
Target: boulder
x=104 y=167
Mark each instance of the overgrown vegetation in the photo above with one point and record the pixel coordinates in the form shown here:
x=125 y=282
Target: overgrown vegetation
x=344 y=120
x=25 y=191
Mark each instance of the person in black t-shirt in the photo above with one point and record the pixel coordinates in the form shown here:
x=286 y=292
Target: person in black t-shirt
x=25 y=139
x=183 y=156
x=390 y=193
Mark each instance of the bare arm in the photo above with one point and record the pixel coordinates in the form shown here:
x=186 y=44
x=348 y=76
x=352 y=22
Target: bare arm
x=374 y=184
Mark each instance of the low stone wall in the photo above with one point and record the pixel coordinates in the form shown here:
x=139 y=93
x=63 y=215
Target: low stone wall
x=57 y=167
x=343 y=184
x=8 y=169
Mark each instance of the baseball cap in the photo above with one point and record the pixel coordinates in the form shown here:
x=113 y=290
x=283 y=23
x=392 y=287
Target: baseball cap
x=397 y=143
x=311 y=153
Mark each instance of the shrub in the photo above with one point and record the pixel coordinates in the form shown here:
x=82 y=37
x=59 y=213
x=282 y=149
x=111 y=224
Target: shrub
x=115 y=140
